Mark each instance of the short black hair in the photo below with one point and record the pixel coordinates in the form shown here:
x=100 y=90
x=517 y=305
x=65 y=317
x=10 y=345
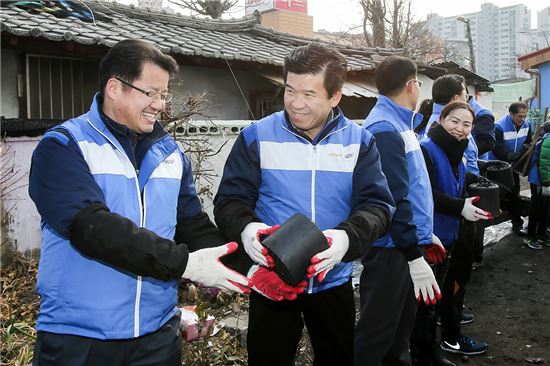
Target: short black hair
x=392 y=74
x=316 y=58
x=457 y=104
x=126 y=58
x=516 y=106
x=446 y=87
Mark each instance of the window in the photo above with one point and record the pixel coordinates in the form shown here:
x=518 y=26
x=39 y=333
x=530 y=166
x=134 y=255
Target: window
x=59 y=87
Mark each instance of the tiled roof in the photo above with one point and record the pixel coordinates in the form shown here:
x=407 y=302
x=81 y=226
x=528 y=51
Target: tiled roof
x=241 y=39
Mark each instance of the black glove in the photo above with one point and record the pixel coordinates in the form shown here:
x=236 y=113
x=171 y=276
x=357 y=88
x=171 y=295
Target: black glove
x=513 y=156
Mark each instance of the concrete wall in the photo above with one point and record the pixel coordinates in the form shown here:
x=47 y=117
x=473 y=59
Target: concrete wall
x=24 y=226
x=9 y=104
x=224 y=96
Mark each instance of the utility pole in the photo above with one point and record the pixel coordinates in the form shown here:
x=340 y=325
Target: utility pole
x=470 y=42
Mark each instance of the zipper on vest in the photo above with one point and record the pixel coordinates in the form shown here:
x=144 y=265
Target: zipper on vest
x=141 y=224
x=313 y=160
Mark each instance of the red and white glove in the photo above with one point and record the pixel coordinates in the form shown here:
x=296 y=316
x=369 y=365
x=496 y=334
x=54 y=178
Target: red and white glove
x=435 y=252
x=472 y=213
x=251 y=241
x=267 y=283
x=425 y=285
x=323 y=262
x=204 y=266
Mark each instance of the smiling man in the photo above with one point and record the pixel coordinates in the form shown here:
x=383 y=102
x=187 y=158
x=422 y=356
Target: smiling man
x=117 y=202
x=307 y=159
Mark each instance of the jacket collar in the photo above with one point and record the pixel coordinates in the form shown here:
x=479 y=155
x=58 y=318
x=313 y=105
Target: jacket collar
x=408 y=118
x=337 y=121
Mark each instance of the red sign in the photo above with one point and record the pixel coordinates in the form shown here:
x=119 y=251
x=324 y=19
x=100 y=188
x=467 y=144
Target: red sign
x=297 y=6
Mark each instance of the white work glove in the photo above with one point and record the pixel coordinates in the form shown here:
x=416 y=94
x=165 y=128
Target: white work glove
x=472 y=213
x=425 y=285
x=251 y=241
x=323 y=262
x=545 y=191
x=204 y=266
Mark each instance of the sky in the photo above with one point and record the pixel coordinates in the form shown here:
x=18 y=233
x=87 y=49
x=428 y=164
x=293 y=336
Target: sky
x=342 y=15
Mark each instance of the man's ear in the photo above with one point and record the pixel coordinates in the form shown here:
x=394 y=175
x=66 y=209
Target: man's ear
x=335 y=99
x=112 y=89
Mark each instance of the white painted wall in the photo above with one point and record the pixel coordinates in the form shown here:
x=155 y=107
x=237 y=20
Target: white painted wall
x=9 y=104
x=24 y=227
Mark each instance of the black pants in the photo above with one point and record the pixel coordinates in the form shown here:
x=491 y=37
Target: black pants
x=514 y=204
x=275 y=327
x=423 y=338
x=478 y=240
x=458 y=275
x=162 y=348
x=388 y=310
x=538 y=213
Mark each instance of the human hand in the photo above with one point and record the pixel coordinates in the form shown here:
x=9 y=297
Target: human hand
x=472 y=213
x=323 y=262
x=545 y=191
x=204 y=266
x=251 y=236
x=267 y=283
x=435 y=252
x=425 y=285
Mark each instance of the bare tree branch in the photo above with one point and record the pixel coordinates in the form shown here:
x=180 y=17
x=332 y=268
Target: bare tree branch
x=211 y=8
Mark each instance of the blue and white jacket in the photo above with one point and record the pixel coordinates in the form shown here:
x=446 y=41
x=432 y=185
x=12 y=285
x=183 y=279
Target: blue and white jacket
x=509 y=139
x=81 y=295
x=405 y=169
x=276 y=172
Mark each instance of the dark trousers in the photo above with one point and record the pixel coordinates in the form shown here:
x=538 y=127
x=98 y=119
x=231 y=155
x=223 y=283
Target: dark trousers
x=458 y=275
x=275 y=327
x=538 y=213
x=423 y=338
x=161 y=348
x=479 y=236
x=514 y=204
x=388 y=310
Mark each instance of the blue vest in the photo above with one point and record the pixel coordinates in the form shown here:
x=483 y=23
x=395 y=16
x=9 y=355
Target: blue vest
x=420 y=191
x=445 y=226
x=512 y=139
x=85 y=297
x=321 y=178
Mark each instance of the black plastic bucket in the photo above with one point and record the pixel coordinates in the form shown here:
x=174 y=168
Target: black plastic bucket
x=502 y=173
x=489 y=198
x=293 y=245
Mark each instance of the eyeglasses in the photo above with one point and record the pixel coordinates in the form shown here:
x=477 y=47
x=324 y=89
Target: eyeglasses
x=419 y=82
x=153 y=94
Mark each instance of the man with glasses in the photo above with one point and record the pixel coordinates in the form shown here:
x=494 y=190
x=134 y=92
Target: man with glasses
x=395 y=274
x=513 y=135
x=117 y=202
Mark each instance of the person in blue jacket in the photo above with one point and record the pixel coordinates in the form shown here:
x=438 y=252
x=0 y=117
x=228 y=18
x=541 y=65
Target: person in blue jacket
x=121 y=223
x=443 y=152
x=388 y=296
x=513 y=137
x=308 y=159
x=539 y=181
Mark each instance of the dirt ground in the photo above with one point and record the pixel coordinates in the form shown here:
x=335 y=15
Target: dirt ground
x=510 y=298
